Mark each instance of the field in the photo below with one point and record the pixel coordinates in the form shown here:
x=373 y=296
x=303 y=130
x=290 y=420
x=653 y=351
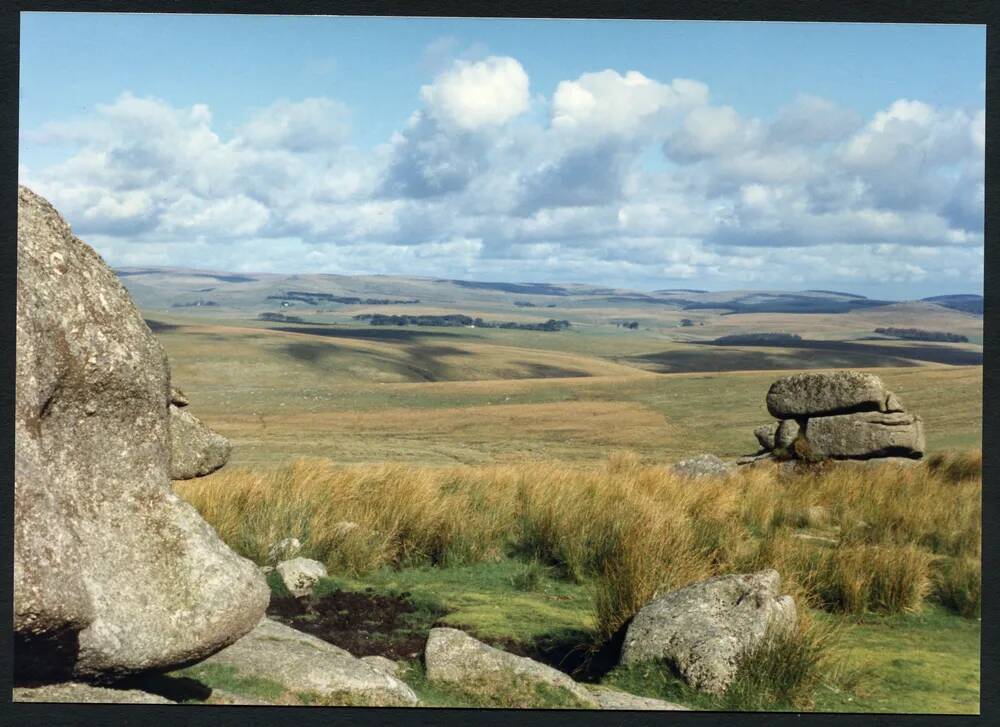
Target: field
x=439 y=418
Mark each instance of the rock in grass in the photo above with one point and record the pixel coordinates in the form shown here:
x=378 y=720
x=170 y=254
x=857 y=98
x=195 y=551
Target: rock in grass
x=864 y=435
x=308 y=665
x=703 y=630
x=615 y=699
x=113 y=573
x=285 y=549
x=456 y=660
x=765 y=435
x=823 y=394
x=195 y=450
x=300 y=575
x=85 y=693
x=704 y=465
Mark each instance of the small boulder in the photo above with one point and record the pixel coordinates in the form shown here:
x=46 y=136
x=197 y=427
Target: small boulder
x=455 y=659
x=704 y=465
x=300 y=575
x=195 y=450
x=865 y=435
x=285 y=549
x=306 y=664
x=705 y=629
x=822 y=394
x=765 y=435
x=893 y=404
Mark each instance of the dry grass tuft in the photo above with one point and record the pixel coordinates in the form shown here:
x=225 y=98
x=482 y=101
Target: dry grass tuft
x=847 y=539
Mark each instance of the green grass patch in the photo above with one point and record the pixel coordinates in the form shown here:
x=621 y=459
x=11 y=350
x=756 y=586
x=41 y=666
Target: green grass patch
x=228 y=679
x=912 y=663
x=483 y=599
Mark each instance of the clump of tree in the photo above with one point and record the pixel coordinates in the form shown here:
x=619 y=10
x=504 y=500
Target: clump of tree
x=279 y=318
x=524 y=304
x=631 y=325
x=758 y=339
x=918 y=334
x=195 y=304
x=303 y=296
x=456 y=320
x=686 y=322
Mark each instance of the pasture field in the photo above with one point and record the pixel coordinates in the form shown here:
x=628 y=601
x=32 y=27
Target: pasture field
x=446 y=395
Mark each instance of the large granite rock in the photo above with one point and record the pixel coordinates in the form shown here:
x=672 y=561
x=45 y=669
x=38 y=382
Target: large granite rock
x=705 y=629
x=822 y=394
x=195 y=450
x=306 y=664
x=788 y=432
x=455 y=659
x=864 y=435
x=113 y=573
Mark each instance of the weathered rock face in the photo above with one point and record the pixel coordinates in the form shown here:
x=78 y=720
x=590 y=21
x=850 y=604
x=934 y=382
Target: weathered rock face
x=113 y=573
x=455 y=659
x=706 y=628
x=300 y=575
x=788 y=431
x=195 y=450
x=865 y=435
x=304 y=663
x=820 y=394
x=704 y=465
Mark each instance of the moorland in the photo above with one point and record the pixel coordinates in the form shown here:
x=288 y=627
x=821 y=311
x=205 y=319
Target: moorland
x=514 y=482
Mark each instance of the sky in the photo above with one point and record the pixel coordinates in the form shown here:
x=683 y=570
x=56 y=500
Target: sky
x=637 y=154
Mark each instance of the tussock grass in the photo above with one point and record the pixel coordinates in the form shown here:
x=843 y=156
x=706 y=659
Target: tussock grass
x=878 y=538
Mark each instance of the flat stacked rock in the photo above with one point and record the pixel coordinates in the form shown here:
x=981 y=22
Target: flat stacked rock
x=838 y=415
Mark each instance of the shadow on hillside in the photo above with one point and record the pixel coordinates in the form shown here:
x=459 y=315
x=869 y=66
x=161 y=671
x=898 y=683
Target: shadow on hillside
x=708 y=357
x=387 y=335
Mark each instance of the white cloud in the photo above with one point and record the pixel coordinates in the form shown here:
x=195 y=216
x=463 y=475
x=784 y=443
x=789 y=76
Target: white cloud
x=472 y=95
x=630 y=181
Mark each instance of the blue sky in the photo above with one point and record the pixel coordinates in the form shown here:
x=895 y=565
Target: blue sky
x=774 y=155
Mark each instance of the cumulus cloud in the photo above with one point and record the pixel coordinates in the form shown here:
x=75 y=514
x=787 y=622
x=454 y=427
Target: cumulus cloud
x=618 y=178
x=473 y=95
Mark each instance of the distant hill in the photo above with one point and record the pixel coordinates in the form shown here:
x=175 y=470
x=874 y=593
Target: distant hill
x=967 y=303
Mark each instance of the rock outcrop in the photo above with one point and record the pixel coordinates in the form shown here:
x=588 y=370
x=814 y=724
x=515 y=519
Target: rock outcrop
x=839 y=415
x=615 y=699
x=456 y=660
x=195 y=450
x=705 y=629
x=113 y=573
x=306 y=664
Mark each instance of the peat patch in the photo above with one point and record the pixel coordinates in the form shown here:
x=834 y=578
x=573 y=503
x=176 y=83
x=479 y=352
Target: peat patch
x=362 y=622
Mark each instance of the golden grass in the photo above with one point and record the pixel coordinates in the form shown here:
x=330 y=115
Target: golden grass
x=847 y=539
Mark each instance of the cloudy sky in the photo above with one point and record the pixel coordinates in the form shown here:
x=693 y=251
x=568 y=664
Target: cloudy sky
x=638 y=154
